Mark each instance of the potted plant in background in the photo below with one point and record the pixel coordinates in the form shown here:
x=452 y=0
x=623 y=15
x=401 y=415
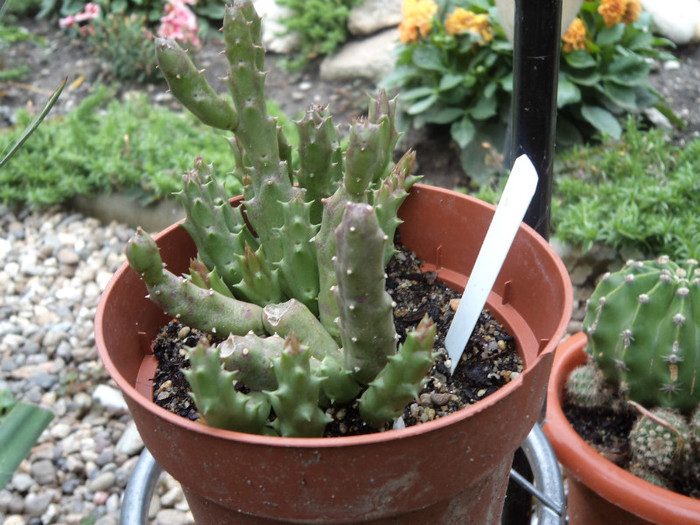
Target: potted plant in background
x=641 y=363
x=302 y=255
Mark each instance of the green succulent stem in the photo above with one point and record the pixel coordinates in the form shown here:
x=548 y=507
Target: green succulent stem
x=293 y=317
x=296 y=399
x=190 y=86
x=218 y=402
x=400 y=380
x=366 y=315
x=206 y=309
x=298 y=268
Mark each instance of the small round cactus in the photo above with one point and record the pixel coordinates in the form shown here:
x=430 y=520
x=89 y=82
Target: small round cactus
x=643 y=326
x=585 y=387
x=659 y=442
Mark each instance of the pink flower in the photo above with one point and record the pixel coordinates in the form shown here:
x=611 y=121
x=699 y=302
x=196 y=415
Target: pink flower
x=68 y=21
x=179 y=22
x=91 y=11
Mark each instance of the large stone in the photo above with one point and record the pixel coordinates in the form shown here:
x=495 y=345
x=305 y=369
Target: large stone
x=374 y=15
x=130 y=442
x=679 y=20
x=371 y=58
x=274 y=37
x=110 y=398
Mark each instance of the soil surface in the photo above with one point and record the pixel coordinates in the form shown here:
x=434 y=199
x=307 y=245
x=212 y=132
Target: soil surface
x=489 y=362
x=61 y=56
x=606 y=429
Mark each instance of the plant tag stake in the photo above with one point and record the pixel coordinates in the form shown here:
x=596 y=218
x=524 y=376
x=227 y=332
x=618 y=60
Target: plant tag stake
x=511 y=209
x=519 y=190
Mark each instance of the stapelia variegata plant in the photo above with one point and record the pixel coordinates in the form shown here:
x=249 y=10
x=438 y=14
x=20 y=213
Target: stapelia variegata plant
x=298 y=297
x=643 y=327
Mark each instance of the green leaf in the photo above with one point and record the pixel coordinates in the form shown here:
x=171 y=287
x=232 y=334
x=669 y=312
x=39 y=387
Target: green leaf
x=601 y=119
x=444 y=116
x=628 y=70
x=419 y=92
x=507 y=83
x=463 y=132
x=640 y=41
x=579 y=59
x=449 y=81
x=399 y=76
x=428 y=58
x=584 y=78
x=567 y=92
x=610 y=35
x=18 y=432
x=422 y=105
x=485 y=107
x=568 y=133
x=34 y=123
x=623 y=96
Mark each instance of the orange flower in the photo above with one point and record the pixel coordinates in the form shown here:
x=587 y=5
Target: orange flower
x=612 y=11
x=461 y=20
x=575 y=36
x=616 y=11
x=417 y=16
x=632 y=12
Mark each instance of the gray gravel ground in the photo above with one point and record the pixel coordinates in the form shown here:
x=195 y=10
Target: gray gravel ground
x=55 y=265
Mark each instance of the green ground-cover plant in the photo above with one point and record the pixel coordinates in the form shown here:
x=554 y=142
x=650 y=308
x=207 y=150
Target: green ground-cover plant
x=454 y=67
x=638 y=193
x=104 y=146
x=119 y=40
x=121 y=32
x=321 y=25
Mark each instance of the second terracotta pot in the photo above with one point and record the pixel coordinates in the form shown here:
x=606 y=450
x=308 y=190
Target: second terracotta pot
x=600 y=492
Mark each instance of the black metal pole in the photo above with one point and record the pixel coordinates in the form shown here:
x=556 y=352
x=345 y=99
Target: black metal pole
x=535 y=74
x=536 y=44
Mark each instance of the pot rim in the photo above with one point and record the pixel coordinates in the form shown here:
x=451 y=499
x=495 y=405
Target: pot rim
x=543 y=353
x=587 y=466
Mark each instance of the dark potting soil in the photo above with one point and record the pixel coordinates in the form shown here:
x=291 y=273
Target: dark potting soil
x=607 y=430
x=490 y=361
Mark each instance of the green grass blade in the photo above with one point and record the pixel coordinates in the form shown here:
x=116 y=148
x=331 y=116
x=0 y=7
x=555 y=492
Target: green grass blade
x=19 y=431
x=34 y=123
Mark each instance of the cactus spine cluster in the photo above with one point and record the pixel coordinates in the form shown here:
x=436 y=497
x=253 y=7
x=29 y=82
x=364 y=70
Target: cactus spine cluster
x=299 y=295
x=643 y=327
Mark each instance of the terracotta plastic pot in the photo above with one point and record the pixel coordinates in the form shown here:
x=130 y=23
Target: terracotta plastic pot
x=600 y=492
x=452 y=470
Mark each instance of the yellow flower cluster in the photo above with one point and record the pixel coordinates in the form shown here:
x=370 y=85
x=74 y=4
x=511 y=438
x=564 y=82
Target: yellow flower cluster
x=616 y=11
x=575 y=36
x=461 y=20
x=417 y=15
